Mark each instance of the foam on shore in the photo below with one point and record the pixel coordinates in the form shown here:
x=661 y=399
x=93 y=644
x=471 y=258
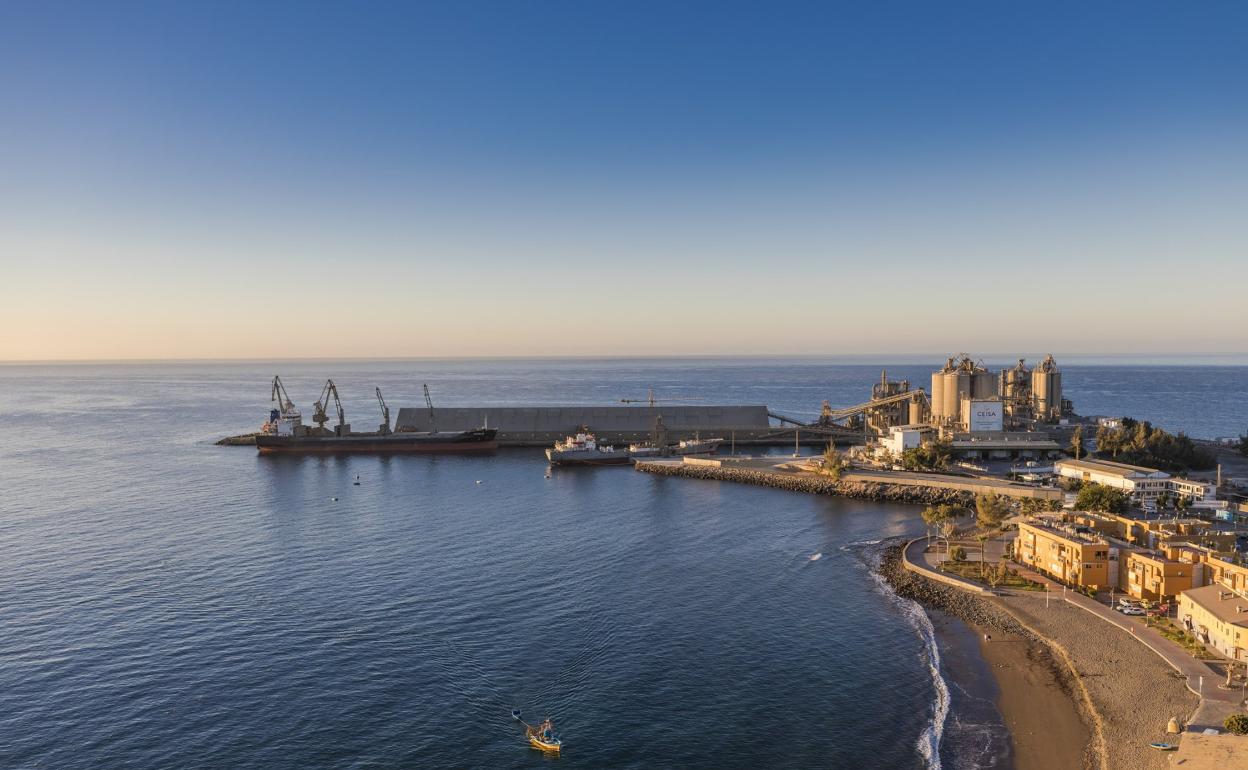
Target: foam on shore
x=928 y=744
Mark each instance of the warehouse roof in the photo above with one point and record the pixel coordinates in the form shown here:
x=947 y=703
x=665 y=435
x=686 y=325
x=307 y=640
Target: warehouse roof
x=1112 y=468
x=569 y=418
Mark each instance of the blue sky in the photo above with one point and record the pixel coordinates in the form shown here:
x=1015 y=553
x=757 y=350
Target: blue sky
x=265 y=179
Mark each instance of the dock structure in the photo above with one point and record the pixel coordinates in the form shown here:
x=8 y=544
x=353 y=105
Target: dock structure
x=748 y=425
x=796 y=475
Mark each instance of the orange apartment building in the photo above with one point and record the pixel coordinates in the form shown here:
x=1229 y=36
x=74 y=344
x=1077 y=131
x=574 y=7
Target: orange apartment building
x=1072 y=555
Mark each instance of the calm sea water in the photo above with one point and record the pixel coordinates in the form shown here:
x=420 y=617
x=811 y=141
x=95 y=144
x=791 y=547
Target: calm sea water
x=168 y=603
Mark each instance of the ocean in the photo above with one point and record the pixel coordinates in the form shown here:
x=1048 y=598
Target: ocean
x=166 y=602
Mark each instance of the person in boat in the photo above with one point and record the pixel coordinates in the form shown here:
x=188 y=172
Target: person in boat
x=546 y=730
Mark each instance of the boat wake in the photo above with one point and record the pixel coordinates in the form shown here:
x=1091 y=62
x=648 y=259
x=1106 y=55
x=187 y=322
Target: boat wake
x=857 y=545
x=929 y=740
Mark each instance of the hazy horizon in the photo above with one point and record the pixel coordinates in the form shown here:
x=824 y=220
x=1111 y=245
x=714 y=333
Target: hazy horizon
x=901 y=358
x=481 y=179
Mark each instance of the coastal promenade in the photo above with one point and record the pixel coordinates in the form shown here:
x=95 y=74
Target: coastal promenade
x=1050 y=618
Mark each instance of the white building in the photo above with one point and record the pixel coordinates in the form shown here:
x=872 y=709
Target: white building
x=900 y=438
x=1144 y=484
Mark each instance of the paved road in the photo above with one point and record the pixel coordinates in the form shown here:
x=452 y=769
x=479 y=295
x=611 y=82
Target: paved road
x=1216 y=704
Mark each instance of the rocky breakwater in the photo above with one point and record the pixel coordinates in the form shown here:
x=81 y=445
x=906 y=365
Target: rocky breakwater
x=247 y=439
x=814 y=483
x=971 y=608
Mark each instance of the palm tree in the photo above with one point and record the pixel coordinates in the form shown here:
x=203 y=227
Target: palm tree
x=982 y=537
x=1076 y=442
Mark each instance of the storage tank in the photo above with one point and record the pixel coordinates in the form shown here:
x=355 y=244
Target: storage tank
x=983 y=384
x=938 y=396
x=959 y=380
x=1046 y=390
x=916 y=415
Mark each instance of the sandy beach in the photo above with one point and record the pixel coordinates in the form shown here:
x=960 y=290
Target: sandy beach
x=1044 y=720
x=1074 y=690
x=1132 y=691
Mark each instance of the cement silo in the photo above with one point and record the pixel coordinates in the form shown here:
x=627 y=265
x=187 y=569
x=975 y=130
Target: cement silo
x=917 y=413
x=983 y=384
x=1046 y=390
x=960 y=379
x=938 y=395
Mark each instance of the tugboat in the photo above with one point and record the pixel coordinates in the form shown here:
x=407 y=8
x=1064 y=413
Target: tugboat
x=583 y=449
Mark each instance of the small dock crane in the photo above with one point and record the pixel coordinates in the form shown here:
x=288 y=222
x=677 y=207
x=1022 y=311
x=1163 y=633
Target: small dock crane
x=318 y=411
x=280 y=395
x=433 y=428
x=384 y=428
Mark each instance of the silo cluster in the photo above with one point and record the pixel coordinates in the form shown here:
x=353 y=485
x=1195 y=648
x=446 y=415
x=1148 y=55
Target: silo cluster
x=961 y=379
x=1046 y=390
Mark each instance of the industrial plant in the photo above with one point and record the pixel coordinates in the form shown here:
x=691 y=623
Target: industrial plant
x=1012 y=414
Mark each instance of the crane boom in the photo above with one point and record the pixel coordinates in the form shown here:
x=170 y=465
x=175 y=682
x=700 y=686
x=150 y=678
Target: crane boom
x=280 y=396
x=433 y=428
x=318 y=412
x=385 y=414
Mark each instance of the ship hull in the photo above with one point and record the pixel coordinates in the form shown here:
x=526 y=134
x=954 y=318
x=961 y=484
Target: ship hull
x=470 y=441
x=587 y=458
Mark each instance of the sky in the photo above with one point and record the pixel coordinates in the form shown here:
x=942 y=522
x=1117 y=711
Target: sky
x=367 y=179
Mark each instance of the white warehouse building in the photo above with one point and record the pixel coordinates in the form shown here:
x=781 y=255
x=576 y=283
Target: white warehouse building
x=1143 y=484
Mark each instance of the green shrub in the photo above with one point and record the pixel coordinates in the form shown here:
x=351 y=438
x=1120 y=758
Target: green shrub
x=1237 y=723
x=958 y=553
x=1096 y=497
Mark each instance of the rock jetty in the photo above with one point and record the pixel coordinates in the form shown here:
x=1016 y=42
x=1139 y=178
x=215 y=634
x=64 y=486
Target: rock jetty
x=247 y=439
x=815 y=484
x=969 y=607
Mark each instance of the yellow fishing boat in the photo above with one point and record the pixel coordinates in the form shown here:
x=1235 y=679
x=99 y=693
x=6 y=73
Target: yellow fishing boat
x=543 y=736
x=552 y=744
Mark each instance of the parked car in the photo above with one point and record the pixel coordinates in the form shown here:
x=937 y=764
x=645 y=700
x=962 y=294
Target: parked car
x=1131 y=610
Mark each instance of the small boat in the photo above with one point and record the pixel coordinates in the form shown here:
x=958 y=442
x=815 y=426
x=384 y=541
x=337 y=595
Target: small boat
x=1163 y=746
x=543 y=736
x=550 y=744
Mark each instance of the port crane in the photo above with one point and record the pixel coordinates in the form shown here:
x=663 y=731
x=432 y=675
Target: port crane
x=318 y=411
x=384 y=428
x=652 y=401
x=429 y=403
x=281 y=396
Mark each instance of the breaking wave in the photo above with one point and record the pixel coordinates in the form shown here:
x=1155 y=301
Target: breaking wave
x=928 y=744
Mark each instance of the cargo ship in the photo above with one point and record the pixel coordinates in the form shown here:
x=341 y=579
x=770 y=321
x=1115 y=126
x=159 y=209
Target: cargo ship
x=479 y=440
x=285 y=433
